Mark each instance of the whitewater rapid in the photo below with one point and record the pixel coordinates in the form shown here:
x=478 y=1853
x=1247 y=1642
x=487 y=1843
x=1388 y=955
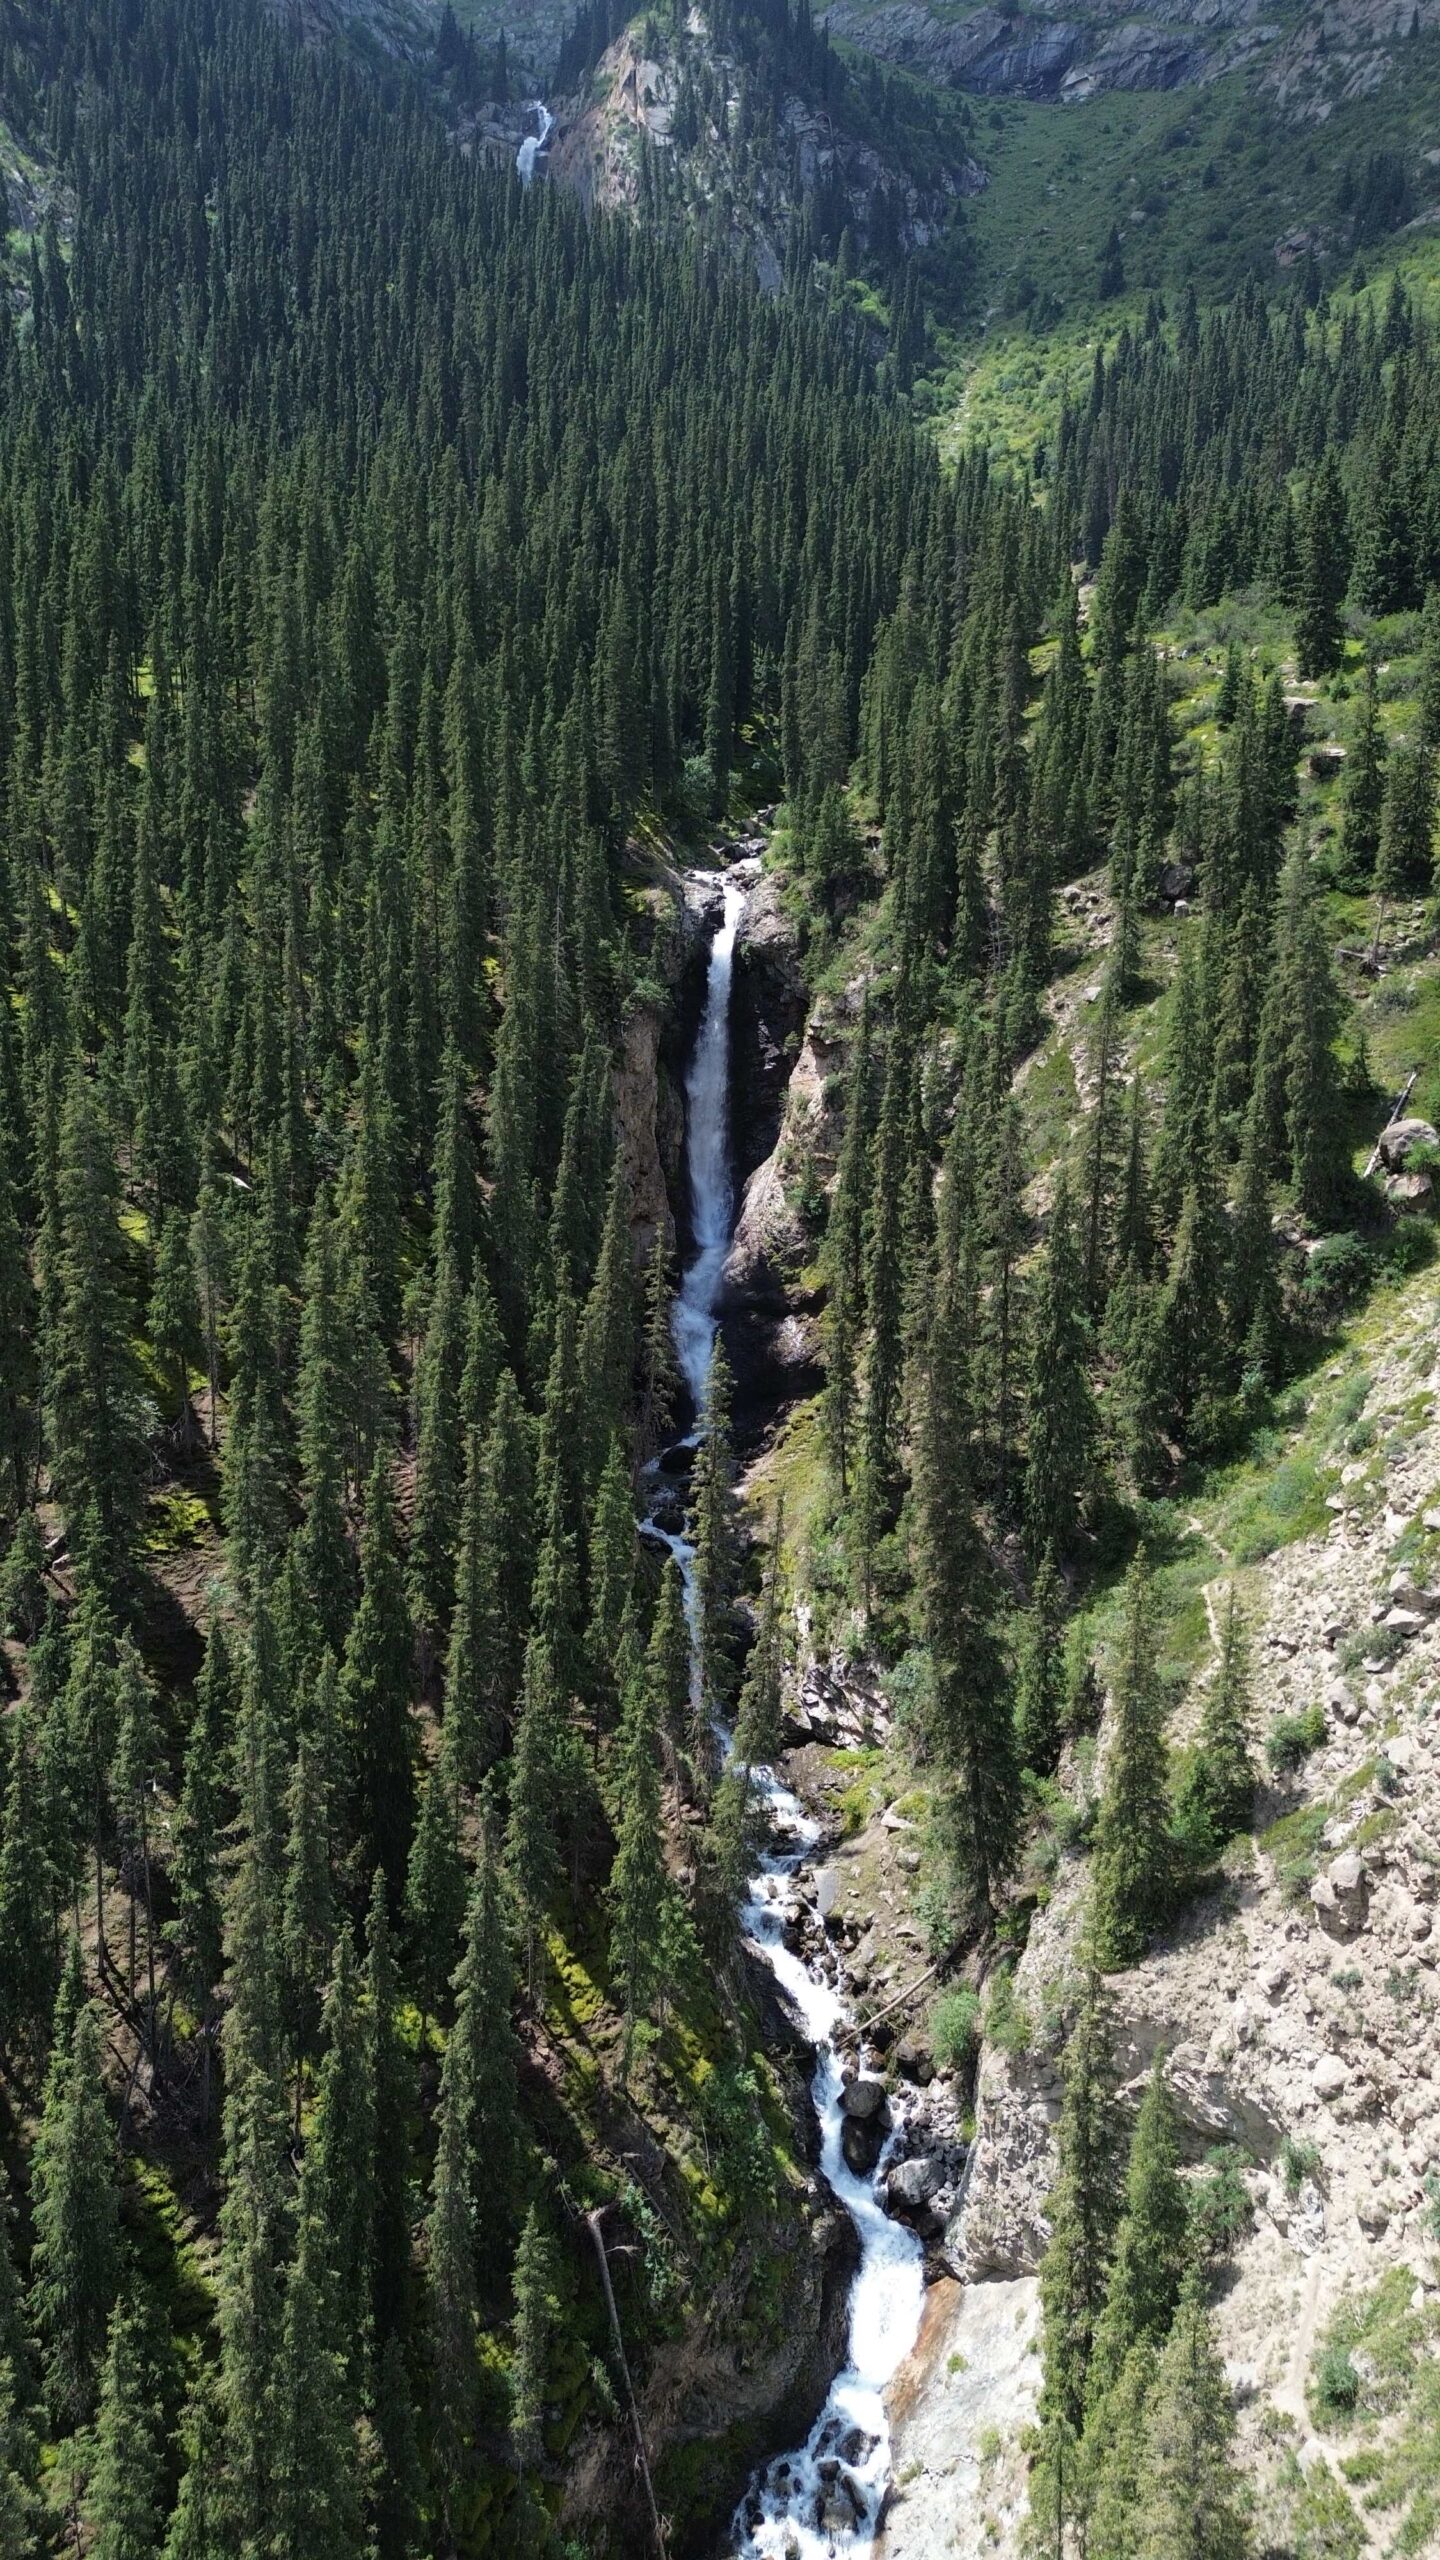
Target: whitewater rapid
x=824 y=2499
x=534 y=143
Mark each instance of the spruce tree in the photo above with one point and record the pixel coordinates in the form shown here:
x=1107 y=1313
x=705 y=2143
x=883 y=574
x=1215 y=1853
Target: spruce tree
x=341 y=2158
x=973 y=1733
x=397 y=2496
x=758 y=1733
x=20 y=2508
x=76 y=2266
x=1152 y=2246
x=1365 y=787
x=316 y=2486
x=1295 y=1067
x=1223 y=1778
x=1075 y=2270
x=201 y=2524
x=1188 y=1336
x=713 y=1534
x=24 y=1597
x=388 y=2192
x=844 y=1264
x=1040 y=1675
x=375 y=1690
x=1405 y=854
x=92 y=1394
x=308 y=1913
x=480 y=2059
x=1114 y=2459
x=659 y=1371
x=132 y=1780
x=1193 y=2504
x=667 y=1662
x=1324 y=572
x=434 y=1895
x=1430 y=670
x=637 y=1878
x=612 y=1577
x=1060 y=1409
x=123 y=2500
x=196 y=1931
x=453 y=2302
x=534 y=2322
x=174 y=1320
x=431 y=1567
x=1132 y=1864
x=532 y=1845
x=27 y=1906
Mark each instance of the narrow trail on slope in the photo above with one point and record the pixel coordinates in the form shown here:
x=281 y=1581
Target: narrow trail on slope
x=823 y=2500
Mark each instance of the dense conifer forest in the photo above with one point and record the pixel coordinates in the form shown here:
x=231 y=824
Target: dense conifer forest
x=395 y=566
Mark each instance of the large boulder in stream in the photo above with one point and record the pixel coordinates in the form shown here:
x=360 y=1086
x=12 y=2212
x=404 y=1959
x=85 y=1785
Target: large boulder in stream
x=865 y=2122
x=864 y=2098
x=911 y=2189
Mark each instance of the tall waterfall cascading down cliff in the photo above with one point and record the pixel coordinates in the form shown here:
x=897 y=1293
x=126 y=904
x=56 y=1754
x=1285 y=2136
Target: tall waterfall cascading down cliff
x=824 y=2499
x=534 y=143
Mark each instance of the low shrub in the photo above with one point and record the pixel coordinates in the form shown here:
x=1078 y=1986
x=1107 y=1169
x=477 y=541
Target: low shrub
x=1291 y=1739
x=955 y=2028
x=1336 y=2389
x=1298 y=2161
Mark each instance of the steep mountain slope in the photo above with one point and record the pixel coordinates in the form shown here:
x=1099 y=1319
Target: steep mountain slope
x=747 y=139
x=1051 y=50
x=1308 y=60
x=1299 y=2008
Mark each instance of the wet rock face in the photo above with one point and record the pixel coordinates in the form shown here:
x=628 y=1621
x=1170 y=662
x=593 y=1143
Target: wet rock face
x=715 y=2386
x=767 y=1019
x=771 y=1328
x=862 y=2139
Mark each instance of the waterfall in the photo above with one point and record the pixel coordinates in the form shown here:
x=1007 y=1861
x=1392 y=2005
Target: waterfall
x=823 y=2500
x=534 y=143
x=707 y=1132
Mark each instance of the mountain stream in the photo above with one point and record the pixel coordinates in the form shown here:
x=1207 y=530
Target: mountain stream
x=822 y=2501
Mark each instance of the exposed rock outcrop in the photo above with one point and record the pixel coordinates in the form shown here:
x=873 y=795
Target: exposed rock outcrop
x=725 y=2395
x=1059 y=50
x=1299 y=2005
x=1073 y=50
x=405 y=28
x=636 y=104
x=770 y=1317
x=957 y=2411
x=648 y=1106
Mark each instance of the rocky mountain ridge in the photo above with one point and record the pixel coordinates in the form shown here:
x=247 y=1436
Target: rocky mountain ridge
x=642 y=101
x=1306 y=60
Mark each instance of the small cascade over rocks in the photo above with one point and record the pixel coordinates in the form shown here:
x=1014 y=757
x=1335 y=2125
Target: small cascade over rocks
x=822 y=2501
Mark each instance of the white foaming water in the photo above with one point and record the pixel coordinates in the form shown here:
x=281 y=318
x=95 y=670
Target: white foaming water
x=534 y=143
x=823 y=2500
x=707 y=1131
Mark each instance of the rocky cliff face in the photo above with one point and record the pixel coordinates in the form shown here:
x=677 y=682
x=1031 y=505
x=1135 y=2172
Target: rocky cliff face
x=1299 y=2005
x=1051 y=50
x=1305 y=59
x=602 y=141
x=405 y=28
x=770 y=1313
x=648 y=1105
